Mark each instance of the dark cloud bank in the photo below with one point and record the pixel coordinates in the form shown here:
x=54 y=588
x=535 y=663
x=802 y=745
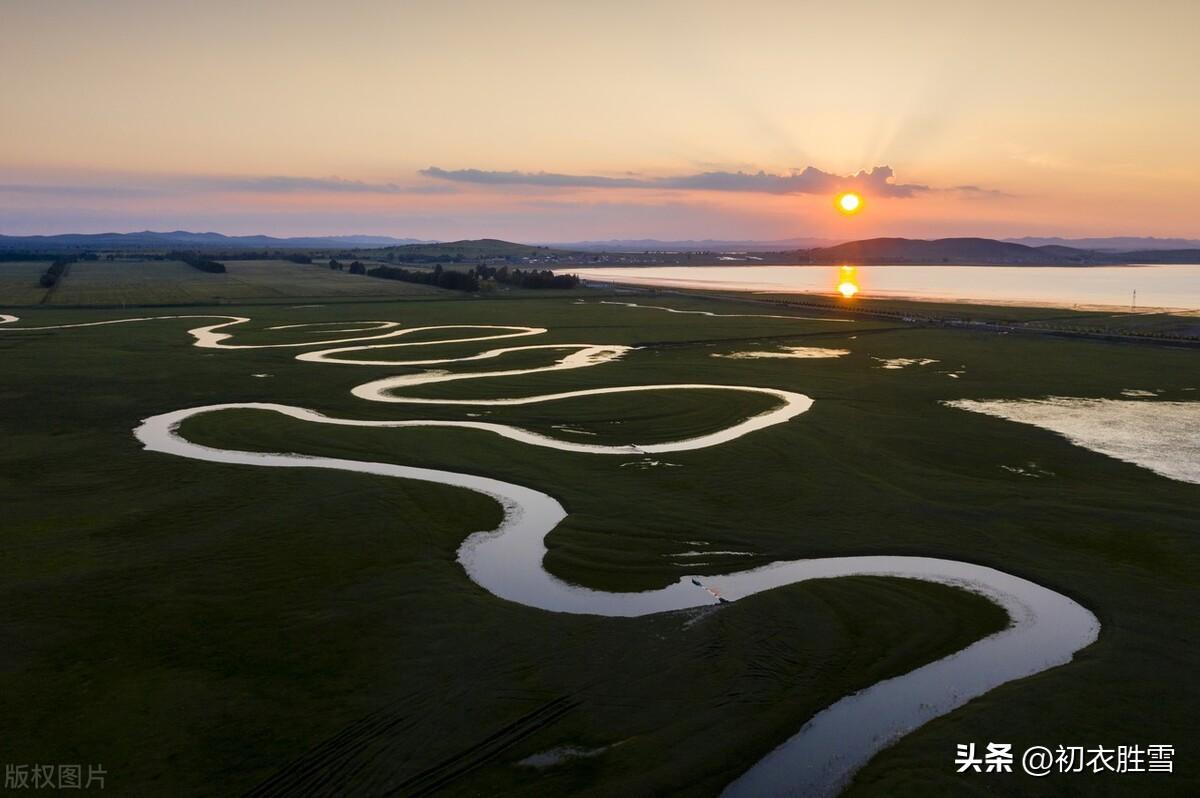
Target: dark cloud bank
x=810 y=180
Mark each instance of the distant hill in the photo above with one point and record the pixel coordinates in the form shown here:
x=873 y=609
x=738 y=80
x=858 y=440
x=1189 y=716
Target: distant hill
x=181 y=238
x=629 y=252
x=951 y=250
x=476 y=248
x=696 y=245
x=1111 y=244
x=1162 y=256
x=1065 y=247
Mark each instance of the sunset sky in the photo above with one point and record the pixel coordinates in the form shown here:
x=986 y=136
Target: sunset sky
x=562 y=121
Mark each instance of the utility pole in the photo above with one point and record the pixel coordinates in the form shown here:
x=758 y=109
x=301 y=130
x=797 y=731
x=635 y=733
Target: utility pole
x=1133 y=304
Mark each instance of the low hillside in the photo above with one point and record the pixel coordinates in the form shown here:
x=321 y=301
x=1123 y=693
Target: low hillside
x=950 y=250
x=474 y=249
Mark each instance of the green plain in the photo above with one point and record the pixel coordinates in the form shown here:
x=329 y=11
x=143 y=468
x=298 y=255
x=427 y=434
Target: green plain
x=203 y=629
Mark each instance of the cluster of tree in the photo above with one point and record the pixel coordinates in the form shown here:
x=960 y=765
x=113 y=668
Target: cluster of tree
x=424 y=257
x=198 y=261
x=531 y=278
x=437 y=276
x=219 y=254
x=355 y=268
x=242 y=254
x=25 y=255
x=9 y=255
x=51 y=276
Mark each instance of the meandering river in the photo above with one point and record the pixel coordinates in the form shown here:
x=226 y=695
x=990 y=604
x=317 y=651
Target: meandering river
x=1046 y=628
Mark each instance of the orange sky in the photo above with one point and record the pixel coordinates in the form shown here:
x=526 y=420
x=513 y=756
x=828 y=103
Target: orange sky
x=1021 y=118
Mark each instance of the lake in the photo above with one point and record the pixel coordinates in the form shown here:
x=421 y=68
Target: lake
x=1172 y=286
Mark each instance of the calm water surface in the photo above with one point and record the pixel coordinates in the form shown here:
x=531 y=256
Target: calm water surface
x=1174 y=286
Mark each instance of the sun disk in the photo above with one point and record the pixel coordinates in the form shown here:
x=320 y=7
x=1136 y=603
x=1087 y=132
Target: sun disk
x=849 y=202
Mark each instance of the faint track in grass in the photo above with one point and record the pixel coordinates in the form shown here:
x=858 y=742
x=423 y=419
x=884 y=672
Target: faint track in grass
x=348 y=762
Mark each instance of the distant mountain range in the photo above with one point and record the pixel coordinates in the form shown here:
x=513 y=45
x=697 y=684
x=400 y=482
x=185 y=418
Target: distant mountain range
x=1111 y=244
x=799 y=250
x=181 y=238
x=985 y=251
x=695 y=245
x=948 y=250
x=970 y=251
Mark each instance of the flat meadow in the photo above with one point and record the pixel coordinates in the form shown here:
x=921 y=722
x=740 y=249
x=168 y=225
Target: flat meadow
x=190 y=624
x=130 y=283
x=19 y=282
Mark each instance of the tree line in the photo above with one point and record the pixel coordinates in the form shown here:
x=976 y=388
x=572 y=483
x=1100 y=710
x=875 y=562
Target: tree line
x=198 y=261
x=471 y=279
x=355 y=268
x=424 y=257
x=52 y=275
x=531 y=278
x=437 y=276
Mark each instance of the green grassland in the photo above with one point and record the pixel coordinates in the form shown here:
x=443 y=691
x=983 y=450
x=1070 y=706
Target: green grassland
x=1183 y=324
x=166 y=282
x=19 y=282
x=202 y=629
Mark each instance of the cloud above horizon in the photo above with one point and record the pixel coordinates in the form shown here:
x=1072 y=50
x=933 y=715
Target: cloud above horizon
x=145 y=186
x=276 y=184
x=876 y=182
x=810 y=180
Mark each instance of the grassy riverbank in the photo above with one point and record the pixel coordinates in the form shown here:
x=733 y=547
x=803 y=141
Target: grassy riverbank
x=202 y=629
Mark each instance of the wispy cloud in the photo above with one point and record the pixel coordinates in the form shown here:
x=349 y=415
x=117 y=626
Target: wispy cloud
x=275 y=184
x=59 y=190
x=877 y=182
x=978 y=192
x=810 y=180
x=122 y=186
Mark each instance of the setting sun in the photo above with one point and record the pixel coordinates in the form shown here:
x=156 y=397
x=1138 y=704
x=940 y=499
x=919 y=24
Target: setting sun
x=849 y=203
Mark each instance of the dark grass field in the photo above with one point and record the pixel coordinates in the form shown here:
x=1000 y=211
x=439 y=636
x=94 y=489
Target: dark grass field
x=126 y=283
x=1181 y=324
x=211 y=630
